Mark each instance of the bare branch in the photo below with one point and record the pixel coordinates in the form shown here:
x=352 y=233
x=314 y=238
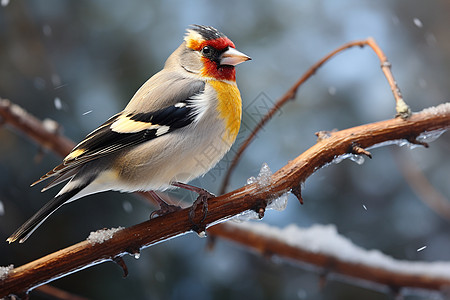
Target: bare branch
x=45 y=136
x=421 y=186
x=401 y=108
x=56 y=293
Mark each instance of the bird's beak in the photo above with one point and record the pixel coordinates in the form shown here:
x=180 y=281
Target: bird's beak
x=232 y=57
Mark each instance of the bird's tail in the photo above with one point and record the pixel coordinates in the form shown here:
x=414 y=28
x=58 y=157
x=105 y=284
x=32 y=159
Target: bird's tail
x=24 y=231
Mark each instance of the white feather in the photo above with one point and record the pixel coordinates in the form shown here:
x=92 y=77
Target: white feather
x=201 y=103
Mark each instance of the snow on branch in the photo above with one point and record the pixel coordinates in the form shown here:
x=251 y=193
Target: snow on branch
x=102 y=235
x=254 y=197
x=4 y=271
x=322 y=246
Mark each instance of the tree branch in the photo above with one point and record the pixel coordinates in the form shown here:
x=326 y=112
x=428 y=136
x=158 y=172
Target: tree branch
x=399 y=274
x=44 y=135
x=421 y=186
x=251 y=197
x=401 y=108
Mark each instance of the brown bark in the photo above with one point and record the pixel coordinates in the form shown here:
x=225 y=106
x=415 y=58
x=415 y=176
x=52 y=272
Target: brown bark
x=251 y=197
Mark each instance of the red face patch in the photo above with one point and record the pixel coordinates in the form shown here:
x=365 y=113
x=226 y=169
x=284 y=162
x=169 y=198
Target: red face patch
x=211 y=69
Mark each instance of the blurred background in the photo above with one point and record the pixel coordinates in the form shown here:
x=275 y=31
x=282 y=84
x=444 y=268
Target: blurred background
x=79 y=62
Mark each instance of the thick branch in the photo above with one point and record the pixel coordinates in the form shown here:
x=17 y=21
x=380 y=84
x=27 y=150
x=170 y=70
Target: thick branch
x=250 y=197
x=394 y=278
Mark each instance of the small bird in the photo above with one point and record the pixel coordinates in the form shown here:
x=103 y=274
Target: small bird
x=176 y=127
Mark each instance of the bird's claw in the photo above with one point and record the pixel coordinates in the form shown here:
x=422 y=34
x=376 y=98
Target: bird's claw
x=164 y=210
x=202 y=199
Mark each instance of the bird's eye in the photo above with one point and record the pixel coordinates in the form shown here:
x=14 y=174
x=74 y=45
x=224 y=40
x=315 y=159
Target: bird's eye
x=206 y=50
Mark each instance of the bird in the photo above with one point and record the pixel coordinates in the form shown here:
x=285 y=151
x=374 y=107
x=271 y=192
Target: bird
x=176 y=127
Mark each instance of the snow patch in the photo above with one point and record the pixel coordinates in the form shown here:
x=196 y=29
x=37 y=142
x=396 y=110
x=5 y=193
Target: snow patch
x=440 y=109
x=264 y=179
x=324 y=239
x=102 y=235
x=428 y=136
x=264 y=176
x=4 y=271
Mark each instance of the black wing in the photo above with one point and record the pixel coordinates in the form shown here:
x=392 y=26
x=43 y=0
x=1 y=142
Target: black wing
x=125 y=130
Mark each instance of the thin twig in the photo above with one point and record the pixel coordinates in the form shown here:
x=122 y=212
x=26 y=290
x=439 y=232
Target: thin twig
x=56 y=293
x=401 y=107
x=421 y=186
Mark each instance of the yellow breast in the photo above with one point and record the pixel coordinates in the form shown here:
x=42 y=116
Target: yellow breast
x=229 y=107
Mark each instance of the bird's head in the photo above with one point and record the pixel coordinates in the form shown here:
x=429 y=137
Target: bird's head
x=210 y=53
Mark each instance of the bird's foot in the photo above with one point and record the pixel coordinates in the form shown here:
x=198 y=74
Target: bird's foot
x=202 y=202
x=164 y=210
x=164 y=207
